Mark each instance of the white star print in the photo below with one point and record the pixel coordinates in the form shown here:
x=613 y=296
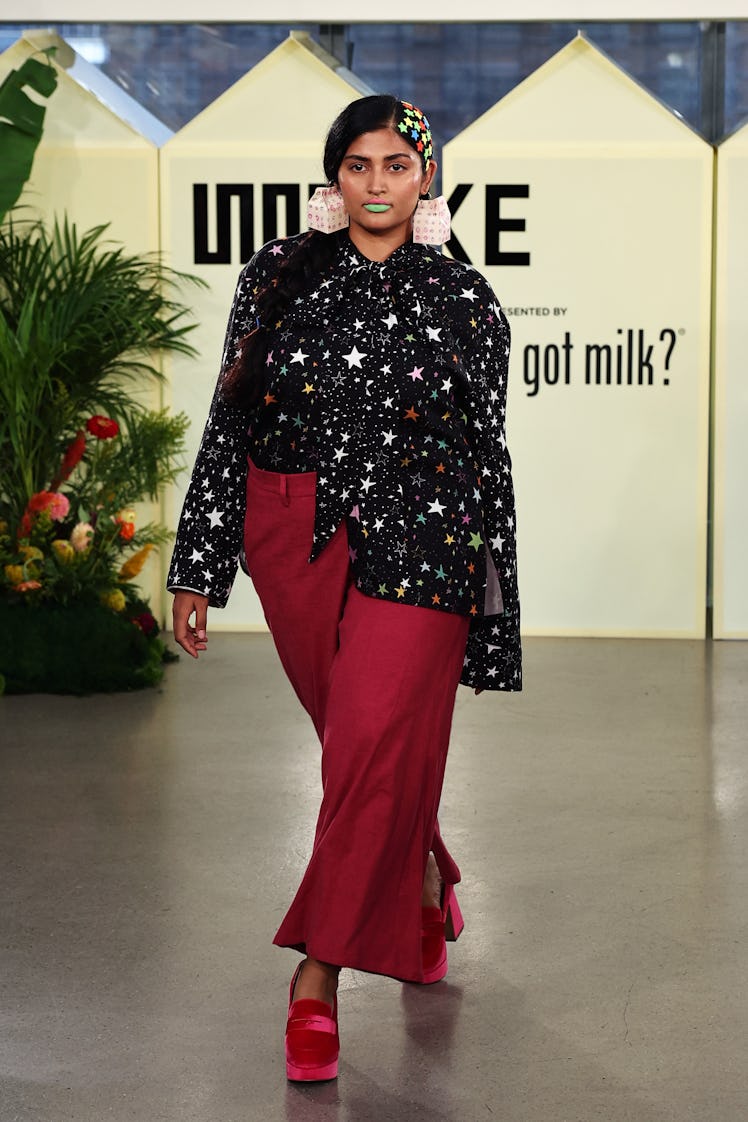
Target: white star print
x=393 y=539
x=354 y=358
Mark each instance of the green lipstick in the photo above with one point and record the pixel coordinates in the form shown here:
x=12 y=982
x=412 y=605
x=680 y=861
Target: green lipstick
x=377 y=208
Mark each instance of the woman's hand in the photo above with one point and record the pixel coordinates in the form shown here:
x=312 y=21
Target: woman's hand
x=191 y=638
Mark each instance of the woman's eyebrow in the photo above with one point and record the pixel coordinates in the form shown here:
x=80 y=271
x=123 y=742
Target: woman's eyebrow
x=366 y=159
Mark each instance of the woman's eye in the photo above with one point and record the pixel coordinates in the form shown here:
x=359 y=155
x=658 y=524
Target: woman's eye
x=397 y=167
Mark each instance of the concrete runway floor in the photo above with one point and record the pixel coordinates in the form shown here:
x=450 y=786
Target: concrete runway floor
x=151 y=843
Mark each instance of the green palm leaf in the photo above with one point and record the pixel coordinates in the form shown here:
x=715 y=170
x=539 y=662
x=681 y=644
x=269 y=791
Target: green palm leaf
x=21 y=121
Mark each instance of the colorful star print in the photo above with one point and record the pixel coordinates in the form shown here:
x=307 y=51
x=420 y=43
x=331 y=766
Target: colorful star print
x=415 y=125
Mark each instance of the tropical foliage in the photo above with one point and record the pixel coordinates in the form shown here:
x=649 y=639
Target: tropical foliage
x=82 y=325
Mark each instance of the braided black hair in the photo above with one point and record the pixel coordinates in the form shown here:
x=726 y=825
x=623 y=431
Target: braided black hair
x=243 y=383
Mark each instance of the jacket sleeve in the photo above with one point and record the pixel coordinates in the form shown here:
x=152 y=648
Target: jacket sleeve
x=493 y=659
x=210 y=533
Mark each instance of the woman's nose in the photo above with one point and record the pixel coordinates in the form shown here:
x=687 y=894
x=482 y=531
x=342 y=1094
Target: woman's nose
x=377 y=184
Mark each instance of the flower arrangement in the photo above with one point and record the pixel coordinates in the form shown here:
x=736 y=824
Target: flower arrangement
x=80 y=322
x=83 y=540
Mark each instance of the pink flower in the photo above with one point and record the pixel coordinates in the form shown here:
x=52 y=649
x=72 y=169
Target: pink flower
x=80 y=536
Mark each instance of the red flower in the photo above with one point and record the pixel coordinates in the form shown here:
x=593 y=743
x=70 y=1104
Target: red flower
x=102 y=427
x=126 y=530
x=72 y=457
x=146 y=623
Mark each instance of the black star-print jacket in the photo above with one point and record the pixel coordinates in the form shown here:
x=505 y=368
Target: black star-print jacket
x=389 y=380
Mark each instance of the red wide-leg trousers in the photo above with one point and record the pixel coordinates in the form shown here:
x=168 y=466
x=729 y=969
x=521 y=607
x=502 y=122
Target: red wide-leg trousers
x=379 y=681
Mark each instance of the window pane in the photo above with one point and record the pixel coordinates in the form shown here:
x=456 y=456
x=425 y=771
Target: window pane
x=736 y=75
x=458 y=71
x=173 y=70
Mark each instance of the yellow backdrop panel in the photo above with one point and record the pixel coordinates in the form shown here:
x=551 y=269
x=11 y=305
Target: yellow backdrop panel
x=588 y=206
x=238 y=174
x=731 y=393
x=95 y=167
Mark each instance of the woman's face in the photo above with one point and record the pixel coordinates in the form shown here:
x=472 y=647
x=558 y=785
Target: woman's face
x=380 y=180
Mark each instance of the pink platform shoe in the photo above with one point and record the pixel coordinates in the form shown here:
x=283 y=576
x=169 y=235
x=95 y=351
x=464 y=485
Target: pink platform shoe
x=312 y=1041
x=439 y=925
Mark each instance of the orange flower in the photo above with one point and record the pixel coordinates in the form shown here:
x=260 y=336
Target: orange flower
x=132 y=567
x=125 y=519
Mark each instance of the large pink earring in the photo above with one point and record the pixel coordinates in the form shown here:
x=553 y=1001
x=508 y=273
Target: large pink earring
x=432 y=222
x=326 y=211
